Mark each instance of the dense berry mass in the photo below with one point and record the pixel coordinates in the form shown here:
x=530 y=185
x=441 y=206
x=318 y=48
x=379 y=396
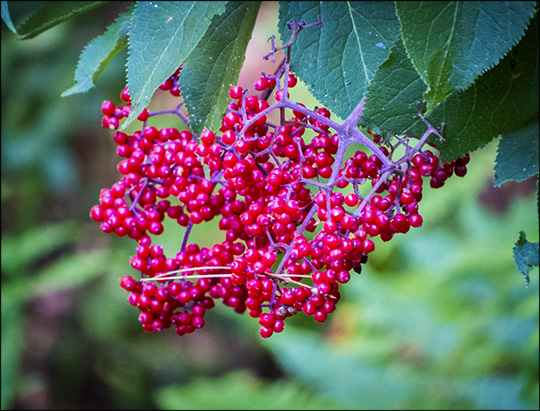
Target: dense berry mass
x=297 y=216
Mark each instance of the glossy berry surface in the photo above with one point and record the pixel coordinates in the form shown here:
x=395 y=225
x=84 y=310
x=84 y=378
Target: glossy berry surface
x=295 y=214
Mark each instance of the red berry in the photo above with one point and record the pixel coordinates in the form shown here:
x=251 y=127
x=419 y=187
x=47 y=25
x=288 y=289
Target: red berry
x=368 y=246
x=261 y=84
x=266 y=332
x=124 y=95
x=320 y=316
x=416 y=220
x=143 y=116
x=235 y=92
x=207 y=137
x=228 y=137
x=252 y=103
x=418 y=160
x=108 y=108
x=460 y=171
x=464 y=160
x=351 y=199
x=292 y=80
x=230 y=120
x=279 y=94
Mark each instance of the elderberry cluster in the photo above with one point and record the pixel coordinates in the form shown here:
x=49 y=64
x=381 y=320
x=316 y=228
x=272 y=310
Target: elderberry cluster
x=294 y=212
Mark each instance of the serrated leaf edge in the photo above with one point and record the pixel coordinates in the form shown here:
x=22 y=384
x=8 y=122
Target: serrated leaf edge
x=122 y=37
x=456 y=89
x=134 y=106
x=54 y=22
x=223 y=88
x=522 y=242
x=369 y=123
x=502 y=56
x=6 y=17
x=498 y=157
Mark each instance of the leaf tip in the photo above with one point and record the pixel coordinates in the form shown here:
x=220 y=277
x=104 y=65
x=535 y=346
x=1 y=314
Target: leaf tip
x=6 y=17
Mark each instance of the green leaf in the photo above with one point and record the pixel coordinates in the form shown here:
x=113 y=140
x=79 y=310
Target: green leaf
x=207 y=171
x=393 y=96
x=25 y=249
x=7 y=190
x=354 y=379
x=525 y=255
x=502 y=100
x=240 y=390
x=517 y=155
x=452 y=43
x=208 y=73
x=6 y=17
x=12 y=346
x=53 y=13
x=69 y=272
x=338 y=61
x=97 y=54
x=161 y=37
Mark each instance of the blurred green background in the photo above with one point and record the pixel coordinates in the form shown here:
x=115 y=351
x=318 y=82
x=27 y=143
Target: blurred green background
x=439 y=318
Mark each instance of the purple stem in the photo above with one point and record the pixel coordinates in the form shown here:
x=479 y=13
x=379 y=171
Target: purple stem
x=300 y=230
x=186 y=236
x=133 y=206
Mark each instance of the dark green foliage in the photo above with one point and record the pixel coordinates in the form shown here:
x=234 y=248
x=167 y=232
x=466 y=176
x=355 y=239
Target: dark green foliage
x=452 y=43
x=161 y=36
x=517 y=157
x=97 y=54
x=525 y=255
x=209 y=72
x=438 y=319
x=339 y=60
x=53 y=13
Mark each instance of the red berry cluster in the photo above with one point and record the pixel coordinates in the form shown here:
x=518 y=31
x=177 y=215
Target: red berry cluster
x=113 y=114
x=276 y=190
